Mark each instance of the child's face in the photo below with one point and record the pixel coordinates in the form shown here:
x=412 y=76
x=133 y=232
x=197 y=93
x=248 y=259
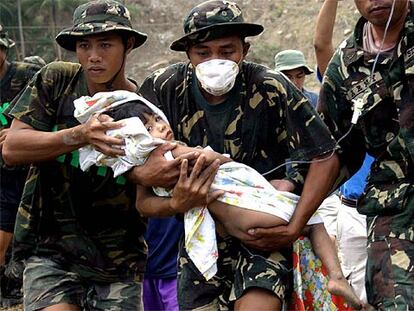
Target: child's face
x=158 y=128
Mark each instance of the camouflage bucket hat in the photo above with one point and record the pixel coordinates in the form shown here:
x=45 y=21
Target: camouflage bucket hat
x=214 y=19
x=35 y=60
x=97 y=17
x=291 y=59
x=4 y=39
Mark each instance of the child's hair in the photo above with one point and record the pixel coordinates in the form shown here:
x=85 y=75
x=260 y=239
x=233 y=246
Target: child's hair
x=134 y=108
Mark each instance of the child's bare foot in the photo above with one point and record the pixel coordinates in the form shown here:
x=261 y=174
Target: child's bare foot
x=341 y=287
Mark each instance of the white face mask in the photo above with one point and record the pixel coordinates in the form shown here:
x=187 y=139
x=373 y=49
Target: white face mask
x=217 y=76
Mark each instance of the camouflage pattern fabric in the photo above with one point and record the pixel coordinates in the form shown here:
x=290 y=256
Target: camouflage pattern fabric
x=273 y=121
x=390 y=268
x=96 y=17
x=239 y=269
x=12 y=178
x=35 y=59
x=214 y=19
x=385 y=130
x=83 y=218
x=15 y=80
x=47 y=282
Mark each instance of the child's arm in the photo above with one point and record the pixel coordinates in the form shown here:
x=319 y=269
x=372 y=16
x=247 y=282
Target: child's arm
x=150 y=205
x=209 y=154
x=190 y=191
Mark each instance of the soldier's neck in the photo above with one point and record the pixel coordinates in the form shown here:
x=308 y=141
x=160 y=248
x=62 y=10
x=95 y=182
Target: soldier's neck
x=212 y=99
x=4 y=68
x=392 y=34
x=121 y=83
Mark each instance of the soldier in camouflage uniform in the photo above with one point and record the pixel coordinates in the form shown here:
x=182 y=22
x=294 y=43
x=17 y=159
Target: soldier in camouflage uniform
x=13 y=78
x=79 y=232
x=367 y=98
x=260 y=120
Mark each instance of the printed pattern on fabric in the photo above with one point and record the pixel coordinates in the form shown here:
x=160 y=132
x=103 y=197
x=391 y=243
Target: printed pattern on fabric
x=244 y=188
x=310 y=281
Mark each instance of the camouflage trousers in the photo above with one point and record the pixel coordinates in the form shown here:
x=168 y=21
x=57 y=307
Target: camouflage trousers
x=46 y=283
x=239 y=269
x=390 y=273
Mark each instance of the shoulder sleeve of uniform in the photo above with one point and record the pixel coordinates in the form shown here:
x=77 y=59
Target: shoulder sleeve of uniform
x=304 y=132
x=26 y=71
x=162 y=82
x=36 y=105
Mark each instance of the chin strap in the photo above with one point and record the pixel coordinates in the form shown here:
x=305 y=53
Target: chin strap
x=108 y=85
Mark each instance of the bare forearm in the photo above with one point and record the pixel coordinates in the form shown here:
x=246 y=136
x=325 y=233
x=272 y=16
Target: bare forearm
x=150 y=205
x=324 y=33
x=24 y=145
x=155 y=207
x=319 y=182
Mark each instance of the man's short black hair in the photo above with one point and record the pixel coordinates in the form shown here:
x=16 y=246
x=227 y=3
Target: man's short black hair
x=134 y=108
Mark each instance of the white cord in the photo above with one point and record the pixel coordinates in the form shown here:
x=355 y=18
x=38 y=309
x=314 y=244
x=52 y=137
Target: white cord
x=383 y=40
x=312 y=161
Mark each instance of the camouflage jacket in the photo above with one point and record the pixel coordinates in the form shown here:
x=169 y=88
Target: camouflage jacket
x=385 y=128
x=16 y=78
x=83 y=218
x=272 y=122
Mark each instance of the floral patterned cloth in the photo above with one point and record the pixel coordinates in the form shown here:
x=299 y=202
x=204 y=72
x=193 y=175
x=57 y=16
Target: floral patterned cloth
x=310 y=282
x=243 y=187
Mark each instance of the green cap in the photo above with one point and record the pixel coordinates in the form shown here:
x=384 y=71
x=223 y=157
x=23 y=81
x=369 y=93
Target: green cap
x=4 y=39
x=291 y=59
x=212 y=20
x=97 y=17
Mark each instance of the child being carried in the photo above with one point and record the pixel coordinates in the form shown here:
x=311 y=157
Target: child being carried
x=248 y=199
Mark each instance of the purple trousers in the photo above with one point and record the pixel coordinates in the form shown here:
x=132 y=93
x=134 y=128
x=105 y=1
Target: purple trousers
x=160 y=294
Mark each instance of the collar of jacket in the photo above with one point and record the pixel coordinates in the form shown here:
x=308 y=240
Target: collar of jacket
x=352 y=49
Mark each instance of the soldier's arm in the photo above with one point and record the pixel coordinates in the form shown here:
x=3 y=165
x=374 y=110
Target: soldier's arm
x=191 y=190
x=25 y=145
x=319 y=182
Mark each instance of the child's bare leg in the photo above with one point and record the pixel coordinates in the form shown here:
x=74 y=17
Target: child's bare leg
x=237 y=220
x=325 y=250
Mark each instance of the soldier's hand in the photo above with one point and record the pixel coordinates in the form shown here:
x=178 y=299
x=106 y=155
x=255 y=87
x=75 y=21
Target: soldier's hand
x=192 y=190
x=94 y=133
x=157 y=171
x=271 y=239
